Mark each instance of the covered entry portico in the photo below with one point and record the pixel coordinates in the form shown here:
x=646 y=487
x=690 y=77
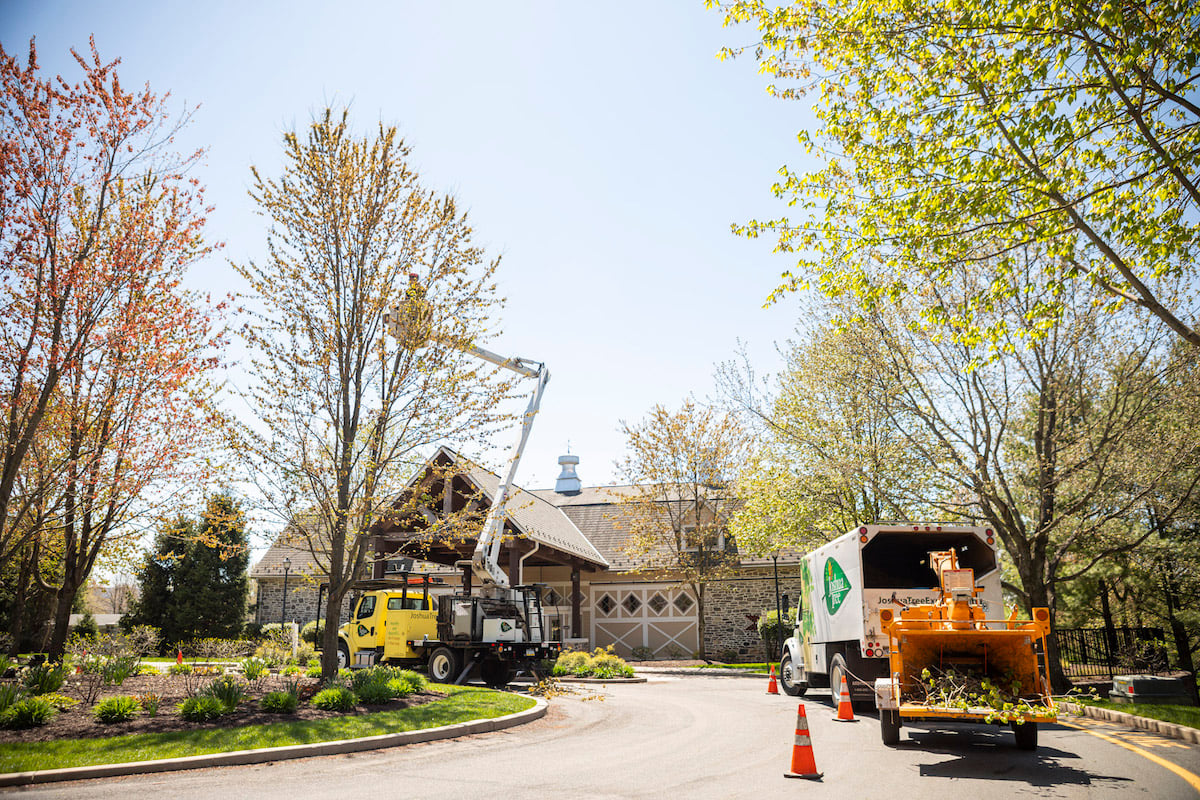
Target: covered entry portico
x=440 y=514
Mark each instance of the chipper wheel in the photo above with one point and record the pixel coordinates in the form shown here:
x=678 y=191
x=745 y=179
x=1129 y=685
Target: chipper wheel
x=1026 y=734
x=889 y=726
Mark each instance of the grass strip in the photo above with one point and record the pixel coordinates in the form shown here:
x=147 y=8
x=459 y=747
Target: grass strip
x=1188 y=716
x=461 y=704
x=752 y=667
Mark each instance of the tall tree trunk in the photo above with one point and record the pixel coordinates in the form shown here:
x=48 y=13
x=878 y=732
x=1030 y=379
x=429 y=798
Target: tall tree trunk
x=16 y=622
x=1110 y=629
x=62 y=619
x=1183 y=648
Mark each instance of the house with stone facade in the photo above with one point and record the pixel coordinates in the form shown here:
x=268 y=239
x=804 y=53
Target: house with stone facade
x=570 y=539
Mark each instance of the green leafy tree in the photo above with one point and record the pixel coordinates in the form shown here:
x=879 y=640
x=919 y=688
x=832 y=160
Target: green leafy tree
x=1058 y=442
x=681 y=465
x=211 y=582
x=342 y=413
x=158 y=578
x=832 y=453
x=958 y=132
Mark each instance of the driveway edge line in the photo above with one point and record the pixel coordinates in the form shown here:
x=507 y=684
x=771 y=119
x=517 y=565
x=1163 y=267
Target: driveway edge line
x=264 y=754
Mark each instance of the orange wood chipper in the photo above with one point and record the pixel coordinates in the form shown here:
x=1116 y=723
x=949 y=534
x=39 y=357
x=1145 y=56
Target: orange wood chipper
x=950 y=664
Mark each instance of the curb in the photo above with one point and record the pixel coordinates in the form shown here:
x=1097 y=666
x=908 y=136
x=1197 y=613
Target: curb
x=573 y=679
x=1168 y=729
x=261 y=755
x=715 y=673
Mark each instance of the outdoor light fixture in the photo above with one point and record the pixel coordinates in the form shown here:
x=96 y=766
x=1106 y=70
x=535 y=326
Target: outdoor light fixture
x=287 y=566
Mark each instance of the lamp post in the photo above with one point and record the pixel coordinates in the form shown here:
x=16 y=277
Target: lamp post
x=778 y=613
x=287 y=566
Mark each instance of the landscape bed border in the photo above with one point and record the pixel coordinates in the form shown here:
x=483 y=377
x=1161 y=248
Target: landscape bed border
x=265 y=754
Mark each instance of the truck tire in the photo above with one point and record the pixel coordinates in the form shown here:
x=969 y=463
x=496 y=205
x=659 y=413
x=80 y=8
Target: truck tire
x=837 y=669
x=889 y=727
x=343 y=655
x=1026 y=735
x=794 y=682
x=443 y=665
x=496 y=673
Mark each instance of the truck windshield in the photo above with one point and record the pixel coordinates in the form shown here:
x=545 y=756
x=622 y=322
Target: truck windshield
x=900 y=560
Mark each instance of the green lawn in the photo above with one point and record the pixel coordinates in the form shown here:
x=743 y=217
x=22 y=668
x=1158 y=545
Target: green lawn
x=753 y=667
x=1178 y=715
x=461 y=704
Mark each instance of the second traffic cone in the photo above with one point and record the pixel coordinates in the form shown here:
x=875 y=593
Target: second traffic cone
x=772 y=687
x=803 y=763
x=845 y=709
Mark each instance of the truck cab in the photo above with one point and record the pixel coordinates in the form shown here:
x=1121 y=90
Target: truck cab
x=385 y=619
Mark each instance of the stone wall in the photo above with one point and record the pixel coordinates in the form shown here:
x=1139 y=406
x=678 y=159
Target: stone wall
x=301 y=601
x=732 y=608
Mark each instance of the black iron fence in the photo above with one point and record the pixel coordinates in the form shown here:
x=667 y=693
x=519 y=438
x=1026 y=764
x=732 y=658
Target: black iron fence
x=1099 y=652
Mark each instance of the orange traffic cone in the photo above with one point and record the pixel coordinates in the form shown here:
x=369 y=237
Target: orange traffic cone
x=803 y=763
x=772 y=687
x=845 y=710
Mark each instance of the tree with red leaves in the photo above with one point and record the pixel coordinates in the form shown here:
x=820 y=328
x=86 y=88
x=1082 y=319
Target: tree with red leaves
x=102 y=352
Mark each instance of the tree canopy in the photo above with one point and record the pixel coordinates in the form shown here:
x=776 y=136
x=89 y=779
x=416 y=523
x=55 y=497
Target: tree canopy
x=342 y=412
x=957 y=132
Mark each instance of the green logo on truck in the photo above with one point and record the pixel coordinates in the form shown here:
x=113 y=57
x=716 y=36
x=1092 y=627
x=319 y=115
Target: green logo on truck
x=837 y=586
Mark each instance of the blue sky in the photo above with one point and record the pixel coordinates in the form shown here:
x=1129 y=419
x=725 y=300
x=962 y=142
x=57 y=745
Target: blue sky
x=600 y=148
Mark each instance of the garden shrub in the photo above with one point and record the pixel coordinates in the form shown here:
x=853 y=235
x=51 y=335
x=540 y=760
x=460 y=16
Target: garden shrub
x=608 y=665
x=254 y=668
x=60 y=701
x=603 y=663
x=116 y=709
x=642 y=654
x=401 y=687
x=375 y=693
x=771 y=632
x=9 y=694
x=335 y=698
x=43 y=678
x=28 y=713
x=228 y=690
x=573 y=662
x=279 y=702
x=313 y=672
x=416 y=680
x=180 y=669
x=201 y=708
x=311 y=632
x=150 y=701
x=291 y=670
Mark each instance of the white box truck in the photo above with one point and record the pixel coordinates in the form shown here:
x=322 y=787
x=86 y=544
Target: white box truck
x=846 y=582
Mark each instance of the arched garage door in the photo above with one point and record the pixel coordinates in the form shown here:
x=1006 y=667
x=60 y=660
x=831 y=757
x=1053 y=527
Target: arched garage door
x=658 y=616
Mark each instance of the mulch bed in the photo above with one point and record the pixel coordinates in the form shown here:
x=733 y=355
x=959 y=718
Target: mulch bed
x=77 y=722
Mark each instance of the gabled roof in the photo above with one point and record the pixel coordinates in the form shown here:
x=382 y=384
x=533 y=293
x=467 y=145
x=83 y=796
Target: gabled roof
x=530 y=514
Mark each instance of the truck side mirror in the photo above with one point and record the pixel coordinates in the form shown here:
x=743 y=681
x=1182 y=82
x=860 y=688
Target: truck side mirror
x=787 y=605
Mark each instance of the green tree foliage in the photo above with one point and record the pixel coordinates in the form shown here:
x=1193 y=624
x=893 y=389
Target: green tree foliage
x=194 y=582
x=957 y=132
x=211 y=581
x=681 y=465
x=157 y=580
x=342 y=411
x=832 y=452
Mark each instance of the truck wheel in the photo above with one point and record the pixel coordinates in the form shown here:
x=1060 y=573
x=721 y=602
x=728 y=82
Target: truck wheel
x=443 y=665
x=496 y=673
x=837 y=669
x=343 y=655
x=1026 y=735
x=889 y=726
x=791 y=677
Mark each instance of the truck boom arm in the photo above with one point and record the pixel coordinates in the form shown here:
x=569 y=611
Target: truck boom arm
x=406 y=323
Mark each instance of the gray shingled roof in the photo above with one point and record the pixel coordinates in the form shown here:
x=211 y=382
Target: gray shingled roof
x=539 y=519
